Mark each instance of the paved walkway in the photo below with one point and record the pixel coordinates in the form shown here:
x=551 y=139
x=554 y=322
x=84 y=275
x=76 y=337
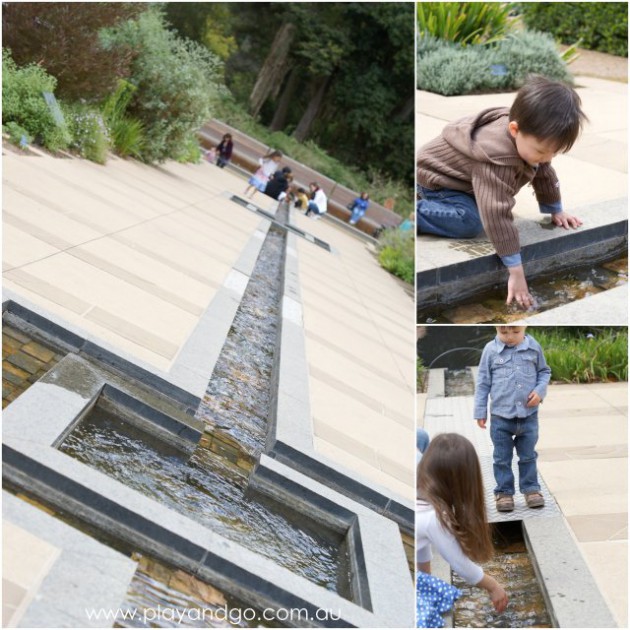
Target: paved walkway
x=134 y=254
x=583 y=459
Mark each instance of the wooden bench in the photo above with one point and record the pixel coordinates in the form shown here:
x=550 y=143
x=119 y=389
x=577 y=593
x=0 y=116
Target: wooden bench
x=247 y=152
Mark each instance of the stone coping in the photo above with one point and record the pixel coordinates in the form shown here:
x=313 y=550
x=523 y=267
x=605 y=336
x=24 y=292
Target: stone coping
x=290 y=438
x=86 y=574
x=46 y=413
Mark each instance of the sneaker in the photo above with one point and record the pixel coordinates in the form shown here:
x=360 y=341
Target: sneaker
x=505 y=502
x=534 y=500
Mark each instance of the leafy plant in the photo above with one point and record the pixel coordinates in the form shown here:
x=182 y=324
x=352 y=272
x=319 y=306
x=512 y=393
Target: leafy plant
x=451 y=69
x=23 y=102
x=464 y=22
x=127 y=133
x=397 y=253
x=599 y=26
x=63 y=38
x=90 y=137
x=17 y=134
x=177 y=83
x=584 y=356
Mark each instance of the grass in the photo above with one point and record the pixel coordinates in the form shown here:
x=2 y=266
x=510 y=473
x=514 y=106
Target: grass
x=581 y=355
x=377 y=185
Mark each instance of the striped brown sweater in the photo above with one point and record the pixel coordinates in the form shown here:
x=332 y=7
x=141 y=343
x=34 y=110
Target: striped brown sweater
x=477 y=155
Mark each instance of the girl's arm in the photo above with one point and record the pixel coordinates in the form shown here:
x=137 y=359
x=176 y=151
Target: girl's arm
x=497 y=593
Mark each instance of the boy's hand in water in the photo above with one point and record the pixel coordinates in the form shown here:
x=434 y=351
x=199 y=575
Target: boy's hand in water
x=562 y=219
x=481 y=423
x=517 y=288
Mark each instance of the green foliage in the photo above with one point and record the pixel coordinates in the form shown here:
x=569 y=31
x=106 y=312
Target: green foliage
x=376 y=183
x=397 y=253
x=177 y=83
x=127 y=133
x=464 y=22
x=451 y=69
x=599 y=26
x=23 y=102
x=62 y=37
x=90 y=137
x=585 y=356
x=17 y=134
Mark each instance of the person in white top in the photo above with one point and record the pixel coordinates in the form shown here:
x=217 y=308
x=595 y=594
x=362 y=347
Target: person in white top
x=451 y=513
x=319 y=202
x=267 y=167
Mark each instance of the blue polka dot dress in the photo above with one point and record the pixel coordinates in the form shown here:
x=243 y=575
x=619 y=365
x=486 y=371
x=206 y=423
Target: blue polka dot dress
x=433 y=598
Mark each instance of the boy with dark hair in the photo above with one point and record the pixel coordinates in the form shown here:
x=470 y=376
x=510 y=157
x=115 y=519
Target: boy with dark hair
x=469 y=175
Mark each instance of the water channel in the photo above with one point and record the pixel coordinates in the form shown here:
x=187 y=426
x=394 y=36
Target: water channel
x=548 y=292
x=209 y=483
x=512 y=567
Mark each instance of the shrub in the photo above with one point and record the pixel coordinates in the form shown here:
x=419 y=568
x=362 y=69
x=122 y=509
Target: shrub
x=397 y=253
x=89 y=133
x=599 y=26
x=464 y=22
x=63 y=38
x=23 y=102
x=177 y=82
x=585 y=356
x=17 y=134
x=126 y=133
x=451 y=69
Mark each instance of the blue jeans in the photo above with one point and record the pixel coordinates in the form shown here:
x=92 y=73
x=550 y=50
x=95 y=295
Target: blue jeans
x=422 y=440
x=312 y=207
x=447 y=212
x=522 y=434
x=357 y=213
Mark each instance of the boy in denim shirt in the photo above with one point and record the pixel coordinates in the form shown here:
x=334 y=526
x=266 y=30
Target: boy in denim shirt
x=514 y=373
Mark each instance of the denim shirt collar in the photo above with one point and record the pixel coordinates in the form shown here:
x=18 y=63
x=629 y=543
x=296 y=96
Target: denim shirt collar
x=500 y=346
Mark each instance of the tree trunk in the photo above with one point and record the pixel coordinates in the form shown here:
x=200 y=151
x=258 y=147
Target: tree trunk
x=280 y=115
x=310 y=114
x=273 y=69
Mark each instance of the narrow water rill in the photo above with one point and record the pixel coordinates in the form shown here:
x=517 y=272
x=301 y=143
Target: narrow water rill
x=208 y=482
x=549 y=292
x=458 y=383
x=512 y=567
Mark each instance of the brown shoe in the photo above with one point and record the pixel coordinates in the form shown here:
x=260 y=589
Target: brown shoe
x=505 y=502
x=534 y=500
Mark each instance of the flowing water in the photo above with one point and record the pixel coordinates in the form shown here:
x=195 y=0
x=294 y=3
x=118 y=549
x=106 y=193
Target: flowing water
x=209 y=484
x=548 y=293
x=206 y=489
x=512 y=568
x=459 y=383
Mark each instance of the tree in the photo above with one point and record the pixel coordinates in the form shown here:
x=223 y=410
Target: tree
x=63 y=37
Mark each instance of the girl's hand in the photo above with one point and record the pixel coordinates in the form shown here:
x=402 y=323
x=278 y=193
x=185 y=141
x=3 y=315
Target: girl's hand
x=499 y=598
x=481 y=423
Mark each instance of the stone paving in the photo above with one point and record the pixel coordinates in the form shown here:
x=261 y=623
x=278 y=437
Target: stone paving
x=133 y=257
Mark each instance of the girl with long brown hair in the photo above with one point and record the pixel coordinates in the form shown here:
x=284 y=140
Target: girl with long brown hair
x=451 y=515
